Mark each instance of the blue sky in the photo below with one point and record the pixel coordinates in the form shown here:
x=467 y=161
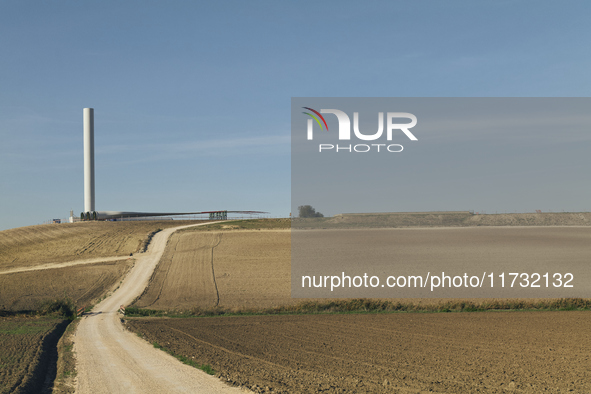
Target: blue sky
x=192 y=99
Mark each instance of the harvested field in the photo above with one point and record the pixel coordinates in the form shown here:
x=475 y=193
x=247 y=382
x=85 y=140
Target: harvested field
x=492 y=352
x=82 y=284
x=251 y=270
x=185 y=274
x=28 y=345
x=57 y=243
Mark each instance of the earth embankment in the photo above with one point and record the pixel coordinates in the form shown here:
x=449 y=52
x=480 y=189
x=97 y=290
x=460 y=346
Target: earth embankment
x=444 y=219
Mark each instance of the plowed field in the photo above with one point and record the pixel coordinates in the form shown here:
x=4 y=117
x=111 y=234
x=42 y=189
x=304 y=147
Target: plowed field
x=491 y=352
x=25 y=352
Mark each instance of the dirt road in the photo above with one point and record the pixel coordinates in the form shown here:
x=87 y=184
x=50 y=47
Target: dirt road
x=63 y=265
x=113 y=360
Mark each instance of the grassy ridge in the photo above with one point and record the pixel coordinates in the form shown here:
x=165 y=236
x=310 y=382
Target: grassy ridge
x=376 y=306
x=57 y=308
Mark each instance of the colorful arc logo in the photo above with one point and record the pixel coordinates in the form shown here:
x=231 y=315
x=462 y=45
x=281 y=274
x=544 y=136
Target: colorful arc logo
x=315 y=118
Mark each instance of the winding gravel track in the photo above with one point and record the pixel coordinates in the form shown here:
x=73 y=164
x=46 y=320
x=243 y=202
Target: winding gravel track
x=111 y=359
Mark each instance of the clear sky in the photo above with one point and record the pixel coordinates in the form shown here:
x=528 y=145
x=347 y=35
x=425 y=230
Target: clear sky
x=192 y=99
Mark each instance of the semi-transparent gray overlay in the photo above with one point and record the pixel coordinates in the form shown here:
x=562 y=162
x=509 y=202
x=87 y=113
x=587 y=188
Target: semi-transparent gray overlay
x=468 y=155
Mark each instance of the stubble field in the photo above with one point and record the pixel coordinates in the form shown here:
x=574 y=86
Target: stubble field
x=25 y=291
x=58 y=243
x=251 y=270
x=236 y=270
x=50 y=246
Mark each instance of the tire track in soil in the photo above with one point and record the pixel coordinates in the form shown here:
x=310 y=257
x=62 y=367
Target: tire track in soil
x=168 y=264
x=217 y=293
x=185 y=274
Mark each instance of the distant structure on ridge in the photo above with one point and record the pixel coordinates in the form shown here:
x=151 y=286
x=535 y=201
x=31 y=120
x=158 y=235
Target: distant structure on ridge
x=90 y=213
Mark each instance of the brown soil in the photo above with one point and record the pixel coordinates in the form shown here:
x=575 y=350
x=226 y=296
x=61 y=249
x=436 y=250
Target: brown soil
x=56 y=243
x=28 y=345
x=492 y=352
x=82 y=284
